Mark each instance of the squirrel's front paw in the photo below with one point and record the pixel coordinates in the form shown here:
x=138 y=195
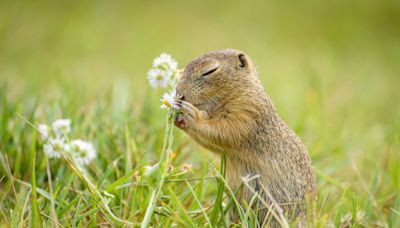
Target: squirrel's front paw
x=180 y=121
x=187 y=115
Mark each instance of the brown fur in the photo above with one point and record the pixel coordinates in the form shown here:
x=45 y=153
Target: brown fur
x=227 y=111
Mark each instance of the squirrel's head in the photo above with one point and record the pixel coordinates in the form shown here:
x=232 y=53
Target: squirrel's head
x=215 y=77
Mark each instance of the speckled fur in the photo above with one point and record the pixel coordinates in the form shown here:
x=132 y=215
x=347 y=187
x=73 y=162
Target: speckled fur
x=228 y=112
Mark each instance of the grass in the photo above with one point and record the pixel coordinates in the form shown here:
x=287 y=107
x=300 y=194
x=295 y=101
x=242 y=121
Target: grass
x=331 y=69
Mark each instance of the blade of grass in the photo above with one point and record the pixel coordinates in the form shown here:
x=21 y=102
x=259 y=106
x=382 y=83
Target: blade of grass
x=17 y=204
x=52 y=204
x=249 y=214
x=35 y=207
x=182 y=210
x=68 y=206
x=199 y=204
x=128 y=152
x=220 y=192
x=41 y=191
x=111 y=187
x=337 y=217
x=354 y=210
x=24 y=207
x=329 y=179
x=231 y=194
x=83 y=176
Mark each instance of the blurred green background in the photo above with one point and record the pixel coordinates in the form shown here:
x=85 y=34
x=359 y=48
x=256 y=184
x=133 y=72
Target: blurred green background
x=332 y=69
x=345 y=51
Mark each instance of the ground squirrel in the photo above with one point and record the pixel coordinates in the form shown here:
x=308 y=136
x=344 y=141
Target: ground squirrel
x=225 y=109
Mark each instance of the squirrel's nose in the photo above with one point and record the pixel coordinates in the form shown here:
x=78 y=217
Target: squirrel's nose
x=182 y=90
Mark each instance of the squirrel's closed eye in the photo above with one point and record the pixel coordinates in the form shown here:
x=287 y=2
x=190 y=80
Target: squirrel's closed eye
x=210 y=71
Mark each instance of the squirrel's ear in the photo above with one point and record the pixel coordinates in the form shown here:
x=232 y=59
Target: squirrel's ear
x=242 y=61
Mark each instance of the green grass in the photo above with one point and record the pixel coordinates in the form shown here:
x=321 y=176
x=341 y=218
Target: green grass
x=331 y=69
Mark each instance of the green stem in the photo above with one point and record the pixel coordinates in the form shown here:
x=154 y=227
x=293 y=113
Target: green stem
x=150 y=209
x=164 y=164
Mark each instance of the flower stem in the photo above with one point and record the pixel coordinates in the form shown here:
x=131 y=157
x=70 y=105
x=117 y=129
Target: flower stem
x=150 y=209
x=164 y=164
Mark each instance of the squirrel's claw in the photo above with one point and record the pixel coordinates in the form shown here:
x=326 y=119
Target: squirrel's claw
x=188 y=109
x=186 y=115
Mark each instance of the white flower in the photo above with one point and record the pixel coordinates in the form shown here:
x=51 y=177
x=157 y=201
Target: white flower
x=53 y=147
x=164 y=71
x=62 y=126
x=43 y=130
x=159 y=78
x=169 y=100
x=165 y=61
x=82 y=151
